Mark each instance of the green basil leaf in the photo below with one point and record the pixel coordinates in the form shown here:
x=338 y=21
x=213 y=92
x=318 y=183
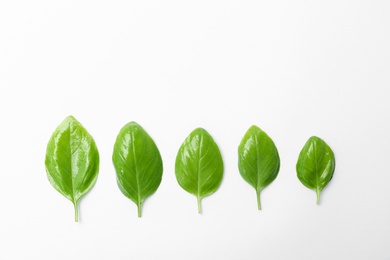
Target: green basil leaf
x=72 y=161
x=316 y=164
x=258 y=160
x=199 y=166
x=138 y=164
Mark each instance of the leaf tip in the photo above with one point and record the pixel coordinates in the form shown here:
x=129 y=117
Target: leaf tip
x=199 y=130
x=254 y=128
x=70 y=118
x=133 y=123
x=315 y=138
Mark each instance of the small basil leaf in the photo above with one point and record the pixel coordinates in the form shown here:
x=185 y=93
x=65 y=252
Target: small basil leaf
x=258 y=160
x=72 y=161
x=199 y=166
x=138 y=164
x=316 y=164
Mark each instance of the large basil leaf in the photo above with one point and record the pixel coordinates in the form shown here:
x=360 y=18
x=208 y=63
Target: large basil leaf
x=258 y=160
x=316 y=164
x=72 y=161
x=138 y=164
x=199 y=166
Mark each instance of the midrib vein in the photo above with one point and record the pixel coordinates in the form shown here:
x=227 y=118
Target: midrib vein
x=135 y=168
x=71 y=162
x=199 y=156
x=315 y=162
x=257 y=164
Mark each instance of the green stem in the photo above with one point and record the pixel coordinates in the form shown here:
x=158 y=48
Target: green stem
x=318 y=196
x=76 y=212
x=199 y=204
x=258 y=199
x=139 y=207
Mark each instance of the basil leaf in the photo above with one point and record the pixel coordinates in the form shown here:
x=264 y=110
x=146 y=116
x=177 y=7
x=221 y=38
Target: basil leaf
x=258 y=160
x=316 y=164
x=199 y=166
x=72 y=161
x=138 y=164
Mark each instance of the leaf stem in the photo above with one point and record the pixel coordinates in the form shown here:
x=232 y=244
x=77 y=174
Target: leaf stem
x=199 y=204
x=139 y=207
x=318 y=196
x=258 y=199
x=76 y=212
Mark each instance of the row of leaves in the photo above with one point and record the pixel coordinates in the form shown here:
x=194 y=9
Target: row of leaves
x=72 y=163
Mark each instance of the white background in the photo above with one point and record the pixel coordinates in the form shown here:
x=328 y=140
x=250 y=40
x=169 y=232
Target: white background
x=294 y=68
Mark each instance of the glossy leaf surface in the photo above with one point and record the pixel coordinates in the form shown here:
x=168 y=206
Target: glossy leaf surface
x=72 y=161
x=258 y=160
x=199 y=166
x=138 y=164
x=316 y=164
